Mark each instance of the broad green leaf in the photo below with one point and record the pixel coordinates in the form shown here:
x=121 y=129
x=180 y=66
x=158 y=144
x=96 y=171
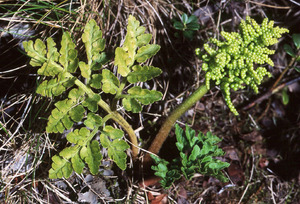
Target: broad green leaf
x=117 y=153
x=192 y=23
x=113 y=133
x=50 y=68
x=75 y=94
x=52 y=53
x=146 y=52
x=100 y=60
x=143 y=73
x=68 y=54
x=77 y=163
x=36 y=51
x=94 y=43
x=85 y=70
x=115 y=148
x=110 y=82
x=184 y=18
x=143 y=39
x=192 y=19
x=92 y=102
x=77 y=113
x=69 y=152
x=96 y=81
x=78 y=136
x=144 y=96
x=178 y=25
x=59 y=119
x=123 y=61
x=50 y=88
x=92 y=156
x=93 y=120
x=60 y=168
x=133 y=31
x=289 y=50
x=130 y=104
x=55 y=86
x=296 y=39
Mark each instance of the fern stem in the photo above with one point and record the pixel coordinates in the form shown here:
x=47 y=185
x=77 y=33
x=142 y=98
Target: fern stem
x=115 y=116
x=169 y=122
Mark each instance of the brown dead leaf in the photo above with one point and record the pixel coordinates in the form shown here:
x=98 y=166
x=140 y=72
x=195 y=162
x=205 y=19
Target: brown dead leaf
x=236 y=173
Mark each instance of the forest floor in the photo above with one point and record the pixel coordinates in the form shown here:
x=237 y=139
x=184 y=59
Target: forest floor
x=262 y=144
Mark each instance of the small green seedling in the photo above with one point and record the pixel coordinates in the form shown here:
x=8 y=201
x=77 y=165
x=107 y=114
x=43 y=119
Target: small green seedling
x=188 y=25
x=196 y=155
x=80 y=94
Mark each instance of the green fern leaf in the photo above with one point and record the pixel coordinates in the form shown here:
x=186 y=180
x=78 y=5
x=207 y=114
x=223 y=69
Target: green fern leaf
x=94 y=43
x=75 y=94
x=50 y=88
x=36 y=51
x=110 y=82
x=135 y=37
x=78 y=137
x=143 y=39
x=60 y=168
x=92 y=156
x=77 y=113
x=82 y=150
x=143 y=73
x=77 y=163
x=55 y=86
x=130 y=104
x=137 y=95
x=85 y=70
x=144 y=96
x=146 y=52
x=116 y=147
x=91 y=102
x=96 y=81
x=52 y=50
x=69 y=152
x=93 y=121
x=123 y=61
x=60 y=118
x=68 y=58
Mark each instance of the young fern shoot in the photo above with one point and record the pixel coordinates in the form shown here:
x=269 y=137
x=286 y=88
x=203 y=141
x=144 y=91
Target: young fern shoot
x=83 y=94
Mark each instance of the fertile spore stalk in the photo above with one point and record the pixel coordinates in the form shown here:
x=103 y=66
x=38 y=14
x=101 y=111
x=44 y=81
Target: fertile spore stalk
x=233 y=64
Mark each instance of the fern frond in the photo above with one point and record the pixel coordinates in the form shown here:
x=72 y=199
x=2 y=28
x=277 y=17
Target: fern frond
x=72 y=158
x=135 y=38
x=137 y=96
x=111 y=139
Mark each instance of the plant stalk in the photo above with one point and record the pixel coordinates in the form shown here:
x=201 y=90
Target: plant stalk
x=116 y=117
x=169 y=122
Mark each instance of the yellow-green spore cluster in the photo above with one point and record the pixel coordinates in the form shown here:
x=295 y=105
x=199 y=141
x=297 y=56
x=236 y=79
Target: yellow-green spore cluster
x=234 y=62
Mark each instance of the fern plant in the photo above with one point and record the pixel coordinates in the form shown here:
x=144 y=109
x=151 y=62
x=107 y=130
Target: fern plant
x=80 y=95
x=233 y=63
x=196 y=155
